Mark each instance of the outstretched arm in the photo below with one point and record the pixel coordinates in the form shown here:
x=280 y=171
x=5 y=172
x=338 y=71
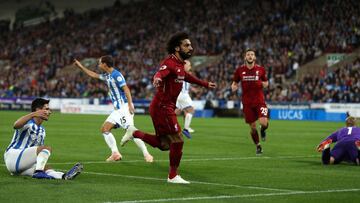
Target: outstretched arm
x=19 y=123
x=333 y=136
x=192 y=79
x=87 y=71
x=129 y=99
x=330 y=139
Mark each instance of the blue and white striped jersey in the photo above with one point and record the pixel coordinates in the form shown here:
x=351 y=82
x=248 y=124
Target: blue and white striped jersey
x=29 y=135
x=185 y=87
x=115 y=81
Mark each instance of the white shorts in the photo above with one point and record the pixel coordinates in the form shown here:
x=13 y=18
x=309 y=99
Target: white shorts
x=121 y=118
x=183 y=101
x=21 y=161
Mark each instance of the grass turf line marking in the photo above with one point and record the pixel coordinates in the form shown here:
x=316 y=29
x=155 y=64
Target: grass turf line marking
x=242 y=196
x=194 y=182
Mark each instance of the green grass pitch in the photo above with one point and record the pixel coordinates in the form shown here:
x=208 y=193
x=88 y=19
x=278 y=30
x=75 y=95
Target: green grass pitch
x=219 y=161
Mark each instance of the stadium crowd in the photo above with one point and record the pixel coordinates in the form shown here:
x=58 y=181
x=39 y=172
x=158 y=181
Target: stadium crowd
x=339 y=86
x=285 y=34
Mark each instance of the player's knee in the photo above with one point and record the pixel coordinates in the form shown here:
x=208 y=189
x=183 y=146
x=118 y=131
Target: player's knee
x=333 y=161
x=190 y=110
x=48 y=148
x=263 y=123
x=326 y=161
x=177 y=111
x=104 y=129
x=45 y=147
x=177 y=138
x=164 y=147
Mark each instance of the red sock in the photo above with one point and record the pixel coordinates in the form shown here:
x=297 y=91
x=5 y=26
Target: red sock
x=175 y=157
x=148 y=138
x=255 y=136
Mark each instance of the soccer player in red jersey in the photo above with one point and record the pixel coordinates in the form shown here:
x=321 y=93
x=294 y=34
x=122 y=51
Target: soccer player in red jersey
x=253 y=79
x=169 y=80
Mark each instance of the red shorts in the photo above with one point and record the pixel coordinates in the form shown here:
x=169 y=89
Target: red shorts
x=165 y=121
x=254 y=112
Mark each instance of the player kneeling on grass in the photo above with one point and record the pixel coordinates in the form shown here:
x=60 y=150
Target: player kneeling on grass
x=27 y=155
x=347 y=146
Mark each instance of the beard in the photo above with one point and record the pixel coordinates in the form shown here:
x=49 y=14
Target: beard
x=249 y=62
x=184 y=55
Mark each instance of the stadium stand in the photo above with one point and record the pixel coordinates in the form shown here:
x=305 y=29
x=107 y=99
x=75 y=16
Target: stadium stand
x=286 y=35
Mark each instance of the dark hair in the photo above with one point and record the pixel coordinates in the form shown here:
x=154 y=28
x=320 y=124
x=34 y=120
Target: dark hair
x=250 y=49
x=175 y=40
x=38 y=103
x=108 y=60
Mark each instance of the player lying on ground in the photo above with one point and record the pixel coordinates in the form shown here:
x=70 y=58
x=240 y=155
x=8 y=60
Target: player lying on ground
x=347 y=147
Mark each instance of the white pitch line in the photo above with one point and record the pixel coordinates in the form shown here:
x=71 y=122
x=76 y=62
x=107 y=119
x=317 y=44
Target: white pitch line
x=241 y=186
x=193 y=160
x=195 y=182
x=240 y=196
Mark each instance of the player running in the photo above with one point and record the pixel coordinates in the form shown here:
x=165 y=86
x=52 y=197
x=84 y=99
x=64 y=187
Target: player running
x=253 y=79
x=123 y=114
x=169 y=80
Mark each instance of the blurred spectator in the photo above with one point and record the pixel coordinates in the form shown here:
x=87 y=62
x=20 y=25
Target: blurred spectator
x=286 y=34
x=339 y=86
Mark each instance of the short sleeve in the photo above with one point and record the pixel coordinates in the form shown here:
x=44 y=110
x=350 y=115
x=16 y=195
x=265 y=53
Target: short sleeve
x=102 y=76
x=119 y=79
x=29 y=125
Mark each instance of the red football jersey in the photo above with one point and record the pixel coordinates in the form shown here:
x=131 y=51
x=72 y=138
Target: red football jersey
x=172 y=74
x=252 y=89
